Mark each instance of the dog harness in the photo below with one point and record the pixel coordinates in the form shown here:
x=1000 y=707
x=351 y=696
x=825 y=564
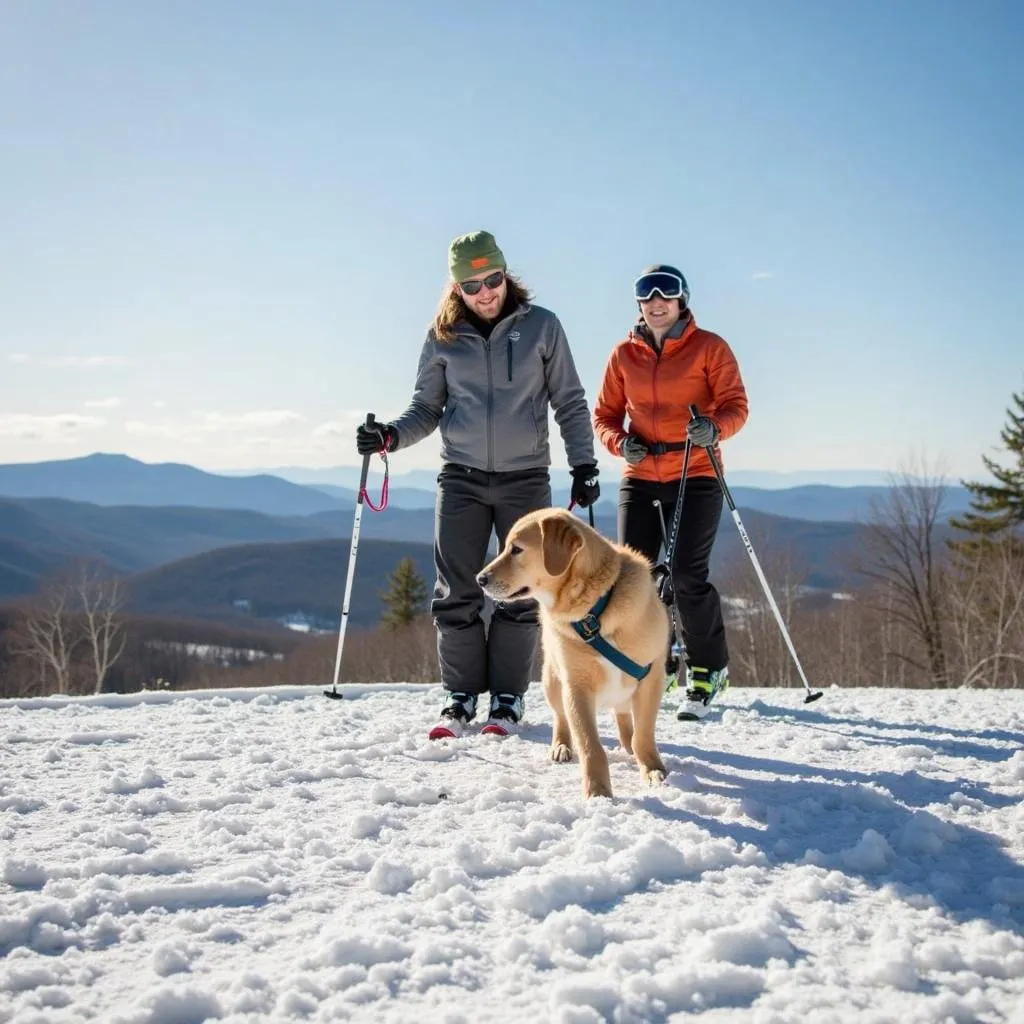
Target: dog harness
x=589 y=630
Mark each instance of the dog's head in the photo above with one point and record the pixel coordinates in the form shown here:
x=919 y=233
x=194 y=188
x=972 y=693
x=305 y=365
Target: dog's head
x=538 y=553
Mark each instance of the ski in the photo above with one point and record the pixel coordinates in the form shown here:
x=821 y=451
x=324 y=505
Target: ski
x=499 y=729
x=446 y=729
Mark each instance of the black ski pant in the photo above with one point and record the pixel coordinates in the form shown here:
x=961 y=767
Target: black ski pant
x=470 y=504
x=700 y=607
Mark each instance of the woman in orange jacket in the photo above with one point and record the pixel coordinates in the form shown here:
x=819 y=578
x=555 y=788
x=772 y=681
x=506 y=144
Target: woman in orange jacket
x=664 y=365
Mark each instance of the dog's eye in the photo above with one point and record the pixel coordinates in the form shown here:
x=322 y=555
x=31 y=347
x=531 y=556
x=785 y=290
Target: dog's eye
x=515 y=549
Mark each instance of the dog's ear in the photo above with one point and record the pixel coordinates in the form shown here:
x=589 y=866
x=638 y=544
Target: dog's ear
x=561 y=543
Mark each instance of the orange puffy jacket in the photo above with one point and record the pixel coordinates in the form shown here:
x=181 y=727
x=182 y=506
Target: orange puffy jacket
x=655 y=391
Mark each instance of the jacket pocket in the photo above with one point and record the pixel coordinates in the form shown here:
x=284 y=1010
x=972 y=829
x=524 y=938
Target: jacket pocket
x=540 y=429
x=448 y=419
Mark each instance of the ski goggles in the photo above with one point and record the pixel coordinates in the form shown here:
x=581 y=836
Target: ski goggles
x=668 y=286
x=492 y=281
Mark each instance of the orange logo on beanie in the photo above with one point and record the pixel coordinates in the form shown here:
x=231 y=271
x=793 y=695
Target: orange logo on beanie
x=480 y=261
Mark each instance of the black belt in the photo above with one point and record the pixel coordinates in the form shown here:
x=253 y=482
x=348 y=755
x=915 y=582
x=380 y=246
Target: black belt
x=663 y=447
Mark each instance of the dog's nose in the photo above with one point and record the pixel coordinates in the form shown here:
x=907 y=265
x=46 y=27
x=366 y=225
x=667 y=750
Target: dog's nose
x=483 y=578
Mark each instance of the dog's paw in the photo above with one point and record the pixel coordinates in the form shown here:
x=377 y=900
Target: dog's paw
x=596 y=787
x=561 y=753
x=655 y=778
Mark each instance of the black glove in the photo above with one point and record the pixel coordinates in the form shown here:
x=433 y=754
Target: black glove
x=585 y=488
x=702 y=431
x=663 y=581
x=381 y=437
x=633 y=450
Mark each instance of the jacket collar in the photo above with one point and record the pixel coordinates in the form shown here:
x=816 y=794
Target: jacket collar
x=467 y=327
x=682 y=328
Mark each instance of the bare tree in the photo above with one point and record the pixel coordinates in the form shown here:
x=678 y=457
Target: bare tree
x=79 y=608
x=100 y=598
x=756 y=642
x=986 y=599
x=46 y=636
x=905 y=557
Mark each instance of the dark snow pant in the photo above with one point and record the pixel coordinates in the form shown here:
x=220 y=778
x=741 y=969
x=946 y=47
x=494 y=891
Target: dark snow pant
x=700 y=607
x=470 y=503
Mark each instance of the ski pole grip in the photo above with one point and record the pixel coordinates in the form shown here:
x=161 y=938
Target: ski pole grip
x=371 y=421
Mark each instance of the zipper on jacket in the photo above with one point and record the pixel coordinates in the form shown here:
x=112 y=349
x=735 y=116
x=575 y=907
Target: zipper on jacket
x=506 y=322
x=654 y=404
x=490 y=407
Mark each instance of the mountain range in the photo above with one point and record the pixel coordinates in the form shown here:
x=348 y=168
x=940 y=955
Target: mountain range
x=202 y=544
x=104 y=479
x=199 y=562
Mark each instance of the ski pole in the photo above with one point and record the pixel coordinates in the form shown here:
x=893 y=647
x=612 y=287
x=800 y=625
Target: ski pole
x=670 y=542
x=352 y=549
x=812 y=695
x=677 y=631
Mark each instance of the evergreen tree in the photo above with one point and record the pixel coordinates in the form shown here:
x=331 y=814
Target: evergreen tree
x=406 y=596
x=998 y=507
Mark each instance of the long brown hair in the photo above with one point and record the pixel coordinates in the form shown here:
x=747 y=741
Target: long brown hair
x=452 y=307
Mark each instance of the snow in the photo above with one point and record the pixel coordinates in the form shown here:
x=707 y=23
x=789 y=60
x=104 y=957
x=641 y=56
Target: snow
x=268 y=855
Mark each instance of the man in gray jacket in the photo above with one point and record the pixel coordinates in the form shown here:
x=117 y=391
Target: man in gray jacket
x=491 y=366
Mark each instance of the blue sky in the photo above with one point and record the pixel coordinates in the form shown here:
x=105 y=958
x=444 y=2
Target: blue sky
x=224 y=225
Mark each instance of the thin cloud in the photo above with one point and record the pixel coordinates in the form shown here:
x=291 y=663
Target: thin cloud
x=47 y=428
x=180 y=433
x=80 y=362
x=331 y=430
x=762 y=275
x=20 y=358
x=103 y=403
x=342 y=428
x=192 y=428
x=214 y=421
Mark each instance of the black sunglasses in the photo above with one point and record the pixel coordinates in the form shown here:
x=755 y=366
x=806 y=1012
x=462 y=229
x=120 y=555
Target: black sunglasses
x=491 y=280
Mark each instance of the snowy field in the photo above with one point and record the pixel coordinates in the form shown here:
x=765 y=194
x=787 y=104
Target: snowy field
x=274 y=856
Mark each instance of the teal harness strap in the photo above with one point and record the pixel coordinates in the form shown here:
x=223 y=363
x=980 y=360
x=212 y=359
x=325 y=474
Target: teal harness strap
x=589 y=631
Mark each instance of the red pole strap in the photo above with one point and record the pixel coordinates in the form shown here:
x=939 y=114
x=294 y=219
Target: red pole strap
x=364 y=494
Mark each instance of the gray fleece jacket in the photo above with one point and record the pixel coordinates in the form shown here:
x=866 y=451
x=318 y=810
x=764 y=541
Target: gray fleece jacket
x=491 y=397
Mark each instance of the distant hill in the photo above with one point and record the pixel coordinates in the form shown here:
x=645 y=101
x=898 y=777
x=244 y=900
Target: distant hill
x=275 y=580
x=844 y=479
x=815 y=502
x=120 y=480
x=822 y=503
x=270 y=581
x=38 y=536
x=24 y=566
x=398 y=497
x=822 y=547
x=114 y=480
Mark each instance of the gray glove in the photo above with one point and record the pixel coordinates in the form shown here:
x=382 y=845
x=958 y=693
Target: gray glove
x=633 y=450
x=701 y=431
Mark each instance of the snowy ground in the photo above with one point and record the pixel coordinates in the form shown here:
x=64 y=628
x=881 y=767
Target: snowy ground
x=274 y=856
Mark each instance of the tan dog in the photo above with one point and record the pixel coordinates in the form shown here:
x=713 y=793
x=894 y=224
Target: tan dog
x=552 y=556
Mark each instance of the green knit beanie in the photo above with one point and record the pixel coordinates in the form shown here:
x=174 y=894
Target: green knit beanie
x=470 y=254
